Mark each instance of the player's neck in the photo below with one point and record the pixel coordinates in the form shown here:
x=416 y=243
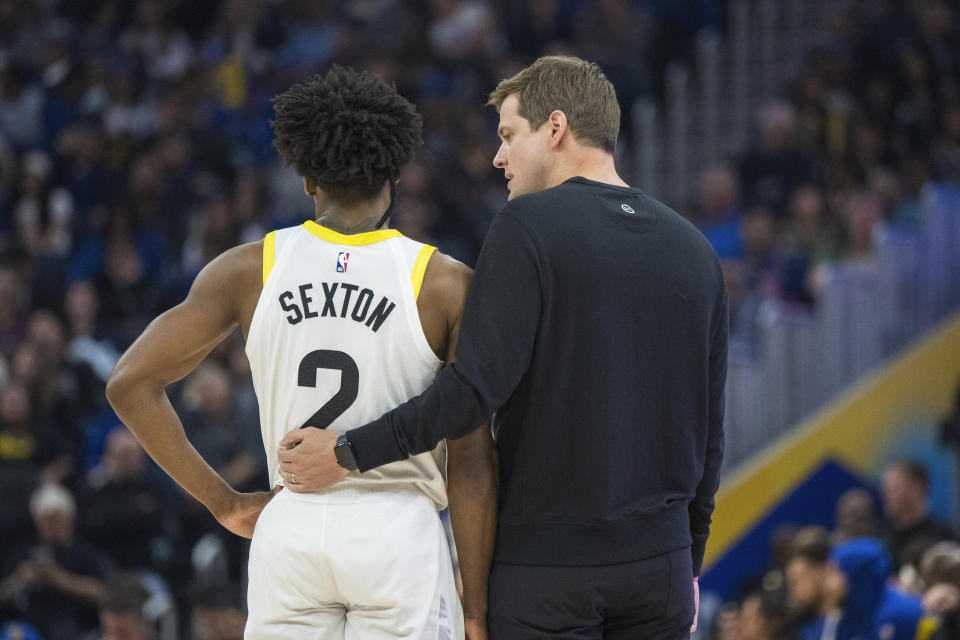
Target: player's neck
x=349 y=225
x=349 y=219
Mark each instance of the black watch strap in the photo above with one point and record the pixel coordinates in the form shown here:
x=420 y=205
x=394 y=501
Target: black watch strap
x=345 y=455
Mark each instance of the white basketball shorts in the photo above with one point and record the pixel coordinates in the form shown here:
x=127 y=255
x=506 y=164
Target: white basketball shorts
x=351 y=564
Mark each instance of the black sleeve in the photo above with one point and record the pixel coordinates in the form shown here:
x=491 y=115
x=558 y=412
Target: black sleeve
x=701 y=507
x=497 y=333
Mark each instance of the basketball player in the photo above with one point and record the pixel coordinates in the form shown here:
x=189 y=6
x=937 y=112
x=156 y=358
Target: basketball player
x=343 y=319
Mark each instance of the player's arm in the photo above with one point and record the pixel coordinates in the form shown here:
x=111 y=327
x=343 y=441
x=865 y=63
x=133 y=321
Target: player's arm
x=471 y=464
x=170 y=348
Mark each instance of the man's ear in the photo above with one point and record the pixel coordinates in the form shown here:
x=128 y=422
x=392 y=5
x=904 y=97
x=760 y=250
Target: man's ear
x=309 y=188
x=559 y=127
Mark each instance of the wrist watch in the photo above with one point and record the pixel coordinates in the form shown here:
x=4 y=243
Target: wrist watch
x=345 y=454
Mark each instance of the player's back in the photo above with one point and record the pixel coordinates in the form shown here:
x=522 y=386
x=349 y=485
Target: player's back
x=336 y=341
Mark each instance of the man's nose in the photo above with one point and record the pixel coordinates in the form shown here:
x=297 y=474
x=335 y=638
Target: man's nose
x=500 y=159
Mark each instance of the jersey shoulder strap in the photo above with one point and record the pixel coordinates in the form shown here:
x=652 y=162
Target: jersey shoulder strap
x=420 y=268
x=417 y=254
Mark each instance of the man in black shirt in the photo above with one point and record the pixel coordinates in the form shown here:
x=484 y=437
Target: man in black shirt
x=596 y=329
x=906 y=504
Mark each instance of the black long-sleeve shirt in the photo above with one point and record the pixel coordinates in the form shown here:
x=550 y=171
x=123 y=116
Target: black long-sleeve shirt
x=596 y=329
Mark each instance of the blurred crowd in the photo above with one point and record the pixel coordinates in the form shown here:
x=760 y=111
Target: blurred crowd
x=872 y=118
x=891 y=573
x=135 y=146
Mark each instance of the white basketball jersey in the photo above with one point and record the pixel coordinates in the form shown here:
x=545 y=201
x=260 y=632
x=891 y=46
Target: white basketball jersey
x=336 y=342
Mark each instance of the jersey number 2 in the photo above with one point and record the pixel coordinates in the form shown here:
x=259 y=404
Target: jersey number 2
x=349 y=384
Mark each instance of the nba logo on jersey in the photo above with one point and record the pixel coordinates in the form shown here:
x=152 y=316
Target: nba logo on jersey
x=342 y=262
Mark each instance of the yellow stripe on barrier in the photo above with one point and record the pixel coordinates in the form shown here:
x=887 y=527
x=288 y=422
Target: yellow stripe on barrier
x=918 y=386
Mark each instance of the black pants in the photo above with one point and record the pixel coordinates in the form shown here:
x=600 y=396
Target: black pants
x=650 y=599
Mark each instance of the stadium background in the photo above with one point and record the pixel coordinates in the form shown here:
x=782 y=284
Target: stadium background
x=816 y=144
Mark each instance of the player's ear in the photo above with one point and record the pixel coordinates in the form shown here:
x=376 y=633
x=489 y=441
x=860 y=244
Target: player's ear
x=309 y=188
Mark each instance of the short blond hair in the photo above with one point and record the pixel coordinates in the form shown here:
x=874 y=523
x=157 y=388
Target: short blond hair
x=576 y=87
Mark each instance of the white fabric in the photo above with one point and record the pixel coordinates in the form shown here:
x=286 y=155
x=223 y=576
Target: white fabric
x=395 y=362
x=352 y=564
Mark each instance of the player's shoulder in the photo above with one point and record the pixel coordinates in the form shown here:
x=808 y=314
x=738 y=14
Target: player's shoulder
x=445 y=282
x=239 y=266
x=447 y=272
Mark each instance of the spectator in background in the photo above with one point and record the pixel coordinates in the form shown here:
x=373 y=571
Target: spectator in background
x=13 y=321
x=230 y=441
x=87 y=351
x=861 y=215
x=806 y=242
x=226 y=432
x=719 y=216
x=29 y=453
x=50 y=379
x=124 y=509
x=127 y=296
x=763 y=616
x=55 y=583
x=21 y=107
x=906 y=505
x=728 y=623
x=219 y=613
x=806 y=573
x=770 y=172
x=43 y=213
x=856 y=516
x=870 y=608
x=122 y=610
x=462 y=29
x=758 y=234
x=754 y=279
x=939 y=579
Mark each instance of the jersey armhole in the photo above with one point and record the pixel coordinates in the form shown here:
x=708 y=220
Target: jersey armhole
x=269 y=254
x=420 y=268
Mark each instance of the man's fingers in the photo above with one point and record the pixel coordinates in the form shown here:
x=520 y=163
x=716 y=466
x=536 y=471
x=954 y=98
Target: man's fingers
x=296 y=487
x=286 y=455
x=293 y=438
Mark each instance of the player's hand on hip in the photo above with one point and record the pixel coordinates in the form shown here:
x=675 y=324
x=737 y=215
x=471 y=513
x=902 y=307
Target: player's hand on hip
x=475 y=628
x=240 y=516
x=307 y=460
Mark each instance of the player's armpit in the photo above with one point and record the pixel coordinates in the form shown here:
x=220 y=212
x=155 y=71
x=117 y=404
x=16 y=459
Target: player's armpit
x=170 y=348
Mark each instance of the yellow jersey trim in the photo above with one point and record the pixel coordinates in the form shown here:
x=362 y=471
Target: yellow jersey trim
x=420 y=268
x=269 y=254
x=354 y=239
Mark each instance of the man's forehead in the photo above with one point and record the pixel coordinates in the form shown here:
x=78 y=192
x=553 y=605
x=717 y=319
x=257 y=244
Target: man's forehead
x=509 y=118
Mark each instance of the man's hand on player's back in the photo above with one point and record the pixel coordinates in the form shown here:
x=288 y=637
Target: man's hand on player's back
x=240 y=516
x=307 y=461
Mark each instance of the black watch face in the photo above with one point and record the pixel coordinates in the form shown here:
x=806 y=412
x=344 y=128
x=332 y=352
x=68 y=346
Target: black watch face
x=344 y=454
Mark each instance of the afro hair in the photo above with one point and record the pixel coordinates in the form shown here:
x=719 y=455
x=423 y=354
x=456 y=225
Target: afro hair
x=346 y=131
